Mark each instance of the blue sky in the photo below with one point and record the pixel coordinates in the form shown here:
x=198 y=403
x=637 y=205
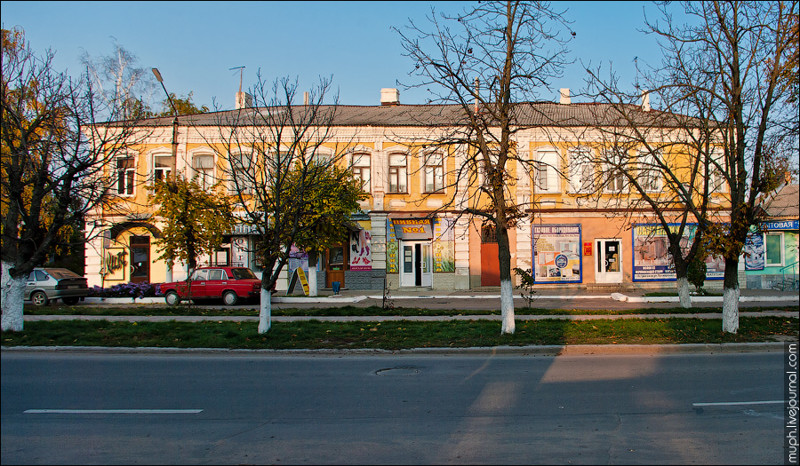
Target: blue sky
x=194 y=44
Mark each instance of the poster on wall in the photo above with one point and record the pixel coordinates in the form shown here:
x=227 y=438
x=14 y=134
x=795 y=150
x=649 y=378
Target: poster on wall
x=360 y=250
x=391 y=247
x=754 y=258
x=557 y=254
x=652 y=260
x=297 y=258
x=444 y=246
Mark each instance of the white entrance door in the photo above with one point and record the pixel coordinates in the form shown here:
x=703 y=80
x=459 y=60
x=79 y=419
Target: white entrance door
x=608 y=266
x=415 y=263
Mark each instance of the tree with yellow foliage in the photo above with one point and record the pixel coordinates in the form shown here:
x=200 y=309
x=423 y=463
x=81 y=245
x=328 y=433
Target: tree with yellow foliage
x=54 y=156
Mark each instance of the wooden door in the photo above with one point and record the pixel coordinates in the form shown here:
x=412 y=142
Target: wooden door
x=335 y=264
x=490 y=266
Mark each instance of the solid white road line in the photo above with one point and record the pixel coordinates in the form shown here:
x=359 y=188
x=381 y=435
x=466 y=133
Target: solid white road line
x=740 y=403
x=112 y=411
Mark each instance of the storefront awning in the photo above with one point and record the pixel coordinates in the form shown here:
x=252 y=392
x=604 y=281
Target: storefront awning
x=412 y=228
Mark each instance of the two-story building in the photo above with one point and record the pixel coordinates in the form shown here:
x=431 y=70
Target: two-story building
x=411 y=232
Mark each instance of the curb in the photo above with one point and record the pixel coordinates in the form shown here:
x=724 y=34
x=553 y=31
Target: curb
x=355 y=299
x=543 y=350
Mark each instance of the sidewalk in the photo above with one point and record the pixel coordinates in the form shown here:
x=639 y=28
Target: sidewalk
x=490 y=299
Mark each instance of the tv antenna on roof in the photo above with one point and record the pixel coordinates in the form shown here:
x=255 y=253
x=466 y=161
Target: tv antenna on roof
x=241 y=72
x=636 y=66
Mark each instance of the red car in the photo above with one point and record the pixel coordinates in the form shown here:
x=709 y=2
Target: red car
x=227 y=283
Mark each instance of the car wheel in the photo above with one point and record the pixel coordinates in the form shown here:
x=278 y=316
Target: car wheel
x=172 y=298
x=71 y=301
x=230 y=298
x=39 y=298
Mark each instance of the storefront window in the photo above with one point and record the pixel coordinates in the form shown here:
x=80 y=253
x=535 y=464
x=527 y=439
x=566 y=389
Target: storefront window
x=774 y=249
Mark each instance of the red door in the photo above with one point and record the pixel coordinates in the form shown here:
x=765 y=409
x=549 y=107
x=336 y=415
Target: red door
x=490 y=266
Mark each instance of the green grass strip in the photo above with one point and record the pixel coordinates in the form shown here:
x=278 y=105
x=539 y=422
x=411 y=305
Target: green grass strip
x=160 y=310
x=314 y=334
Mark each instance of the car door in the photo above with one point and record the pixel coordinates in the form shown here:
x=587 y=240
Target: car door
x=199 y=280
x=216 y=283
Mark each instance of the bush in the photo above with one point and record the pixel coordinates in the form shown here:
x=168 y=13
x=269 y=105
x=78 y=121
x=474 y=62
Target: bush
x=124 y=290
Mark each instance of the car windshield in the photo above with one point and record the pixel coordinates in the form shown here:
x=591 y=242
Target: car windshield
x=62 y=273
x=241 y=274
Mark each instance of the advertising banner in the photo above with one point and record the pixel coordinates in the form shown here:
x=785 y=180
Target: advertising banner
x=360 y=250
x=754 y=257
x=557 y=254
x=652 y=260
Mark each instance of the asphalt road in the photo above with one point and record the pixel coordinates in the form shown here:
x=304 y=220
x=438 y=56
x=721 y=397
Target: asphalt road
x=257 y=408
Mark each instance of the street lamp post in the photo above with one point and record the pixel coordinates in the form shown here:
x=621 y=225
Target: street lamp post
x=157 y=74
x=173 y=164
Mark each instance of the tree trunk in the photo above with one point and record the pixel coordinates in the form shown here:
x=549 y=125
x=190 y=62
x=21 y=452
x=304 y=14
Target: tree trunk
x=730 y=296
x=683 y=293
x=312 y=274
x=13 y=290
x=265 y=312
x=506 y=289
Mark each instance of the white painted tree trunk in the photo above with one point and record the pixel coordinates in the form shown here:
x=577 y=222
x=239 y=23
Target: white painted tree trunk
x=12 y=291
x=730 y=310
x=683 y=293
x=507 y=306
x=265 y=312
x=312 y=280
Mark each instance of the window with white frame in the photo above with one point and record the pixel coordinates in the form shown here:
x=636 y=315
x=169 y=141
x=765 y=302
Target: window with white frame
x=361 y=170
x=614 y=168
x=125 y=175
x=546 y=175
x=716 y=179
x=398 y=173
x=241 y=175
x=649 y=176
x=162 y=167
x=773 y=248
x=203 y=166
x=434 y=172
x=581 y=170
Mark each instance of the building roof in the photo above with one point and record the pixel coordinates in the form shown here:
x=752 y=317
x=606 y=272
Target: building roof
x=784 y=203
x=528 y=114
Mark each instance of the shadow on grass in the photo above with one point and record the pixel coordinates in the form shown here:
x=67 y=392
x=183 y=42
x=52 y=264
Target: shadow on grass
x=314 y=334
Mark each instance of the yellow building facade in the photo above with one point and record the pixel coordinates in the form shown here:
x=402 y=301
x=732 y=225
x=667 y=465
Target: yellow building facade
x=411 y=232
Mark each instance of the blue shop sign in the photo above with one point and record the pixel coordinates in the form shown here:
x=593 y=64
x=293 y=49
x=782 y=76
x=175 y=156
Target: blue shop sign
x=782 y=225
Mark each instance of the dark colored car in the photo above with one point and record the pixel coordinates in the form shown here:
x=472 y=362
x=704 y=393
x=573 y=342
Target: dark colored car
x=230 y=284
x=46 y=284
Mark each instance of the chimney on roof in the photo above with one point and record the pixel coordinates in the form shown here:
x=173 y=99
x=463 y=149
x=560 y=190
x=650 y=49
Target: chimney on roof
x=390 y=96
x=565 y=100
x=305 y=98
x=243 y=100
x=646 y=101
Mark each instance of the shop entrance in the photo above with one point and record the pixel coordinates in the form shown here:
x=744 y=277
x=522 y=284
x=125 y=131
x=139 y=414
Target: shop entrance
x=415 y=263
x=608 y=265
x=140 y=259
x=335 y=265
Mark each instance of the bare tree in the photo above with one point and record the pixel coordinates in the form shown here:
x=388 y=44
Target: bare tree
x=121 y=83
x=650 y=165
x=486 y=62
x=727 y=67
x=55 y=162
x=277 y=153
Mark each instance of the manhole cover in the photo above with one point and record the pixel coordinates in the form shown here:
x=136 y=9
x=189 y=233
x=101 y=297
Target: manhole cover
x=405 y=370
